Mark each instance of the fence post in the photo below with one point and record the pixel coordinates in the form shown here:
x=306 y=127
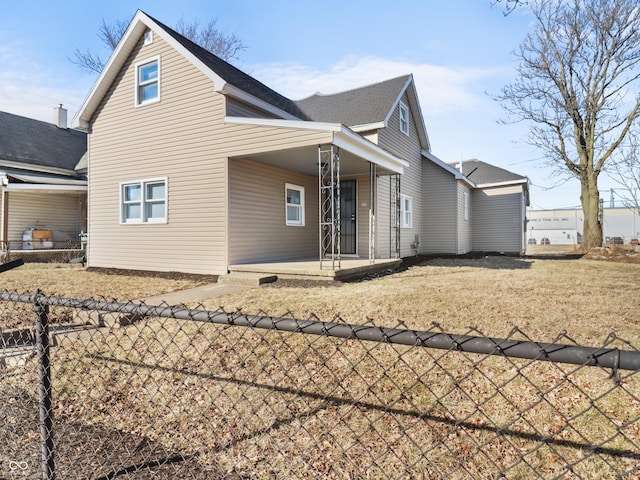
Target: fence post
x=44 y=383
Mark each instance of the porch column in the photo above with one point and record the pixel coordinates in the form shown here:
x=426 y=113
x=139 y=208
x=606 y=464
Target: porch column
x=372 y=212
x=4 y=225
x=329 y=204
x=394 y=216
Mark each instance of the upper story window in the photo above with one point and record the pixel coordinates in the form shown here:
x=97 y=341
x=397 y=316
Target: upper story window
x=143 y=201
x=148 y=81
x=148 y=37
x=294 y=205
x=406 y=211
x=404 y=118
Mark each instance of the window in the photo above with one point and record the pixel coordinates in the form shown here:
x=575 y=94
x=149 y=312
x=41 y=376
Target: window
x=404 y=118
x=148 y=37
x=465 y=205
x=148 y=82
x=406 y=212
x=294 y=199
x=144 y=201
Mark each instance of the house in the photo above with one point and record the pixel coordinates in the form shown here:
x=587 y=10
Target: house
x=43 y=184
x=195 y=166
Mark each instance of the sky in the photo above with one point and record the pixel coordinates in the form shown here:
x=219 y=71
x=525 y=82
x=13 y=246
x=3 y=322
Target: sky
x=459 y=52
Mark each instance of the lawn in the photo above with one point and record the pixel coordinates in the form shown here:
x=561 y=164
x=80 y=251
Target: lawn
x=587 y=299
x=265 y=404
x=543 y=297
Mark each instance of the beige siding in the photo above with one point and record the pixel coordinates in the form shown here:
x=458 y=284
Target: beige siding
x=362 y=214
x=440 y=214
x=257 y=229
x=236 y=108
x=464 y=229
x=60 y=213
x=384 y=207
x=177 y=138
x=498 y=219
x=243 y=140
x=408 y=148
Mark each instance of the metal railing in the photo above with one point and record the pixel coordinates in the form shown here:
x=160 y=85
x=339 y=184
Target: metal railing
x=127 y=390
x=41 y=251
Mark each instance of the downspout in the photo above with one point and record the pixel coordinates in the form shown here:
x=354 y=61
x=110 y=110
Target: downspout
x=4 y=225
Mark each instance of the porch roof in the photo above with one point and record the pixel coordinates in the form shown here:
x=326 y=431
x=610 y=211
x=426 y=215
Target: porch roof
x=15 y=181
x=354 y=148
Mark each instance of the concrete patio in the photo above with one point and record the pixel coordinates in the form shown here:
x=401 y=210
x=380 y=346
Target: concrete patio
x=310 y=269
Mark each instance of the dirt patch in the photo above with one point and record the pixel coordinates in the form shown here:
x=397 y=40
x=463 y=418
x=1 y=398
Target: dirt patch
x=615 y=253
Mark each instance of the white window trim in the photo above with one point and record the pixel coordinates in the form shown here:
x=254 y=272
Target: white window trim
x=403 y=107
x=403 y=213
x=143 y=220
x=465 y=205
x=290 y=186
x=137 y=66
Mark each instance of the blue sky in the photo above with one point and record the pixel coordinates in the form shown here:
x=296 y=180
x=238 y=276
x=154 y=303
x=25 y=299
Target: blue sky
x=457 y=51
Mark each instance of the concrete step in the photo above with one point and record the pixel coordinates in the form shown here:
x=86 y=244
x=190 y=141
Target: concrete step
x=251 y=279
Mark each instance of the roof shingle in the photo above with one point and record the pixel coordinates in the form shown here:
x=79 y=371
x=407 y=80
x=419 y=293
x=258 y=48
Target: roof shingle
x=360 y=106
x=36 y=143
x=482 y=173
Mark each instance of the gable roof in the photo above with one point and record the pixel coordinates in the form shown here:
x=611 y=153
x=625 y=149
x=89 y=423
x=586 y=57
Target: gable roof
x=361 y=109
x=484 y=175
x=365 y=108
x=226 y=78
x=40 y=146
x=232 y=75
x=359 y=106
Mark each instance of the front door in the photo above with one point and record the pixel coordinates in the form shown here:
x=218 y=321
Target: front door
x=348 y=208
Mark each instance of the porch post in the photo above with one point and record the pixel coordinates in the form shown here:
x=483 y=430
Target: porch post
x=372 y=212
x=329 y=204
x=394 y=216
x=4 y=225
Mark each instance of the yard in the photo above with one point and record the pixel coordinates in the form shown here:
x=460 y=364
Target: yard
x=249 y=402
x=587 y=298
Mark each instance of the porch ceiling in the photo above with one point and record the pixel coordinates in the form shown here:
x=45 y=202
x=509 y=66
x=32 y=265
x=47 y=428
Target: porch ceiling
x=305 y=160
x=356 y=152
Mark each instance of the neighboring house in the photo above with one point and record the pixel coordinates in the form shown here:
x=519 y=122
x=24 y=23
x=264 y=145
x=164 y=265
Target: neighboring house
x=44 y=186
x=195 y=166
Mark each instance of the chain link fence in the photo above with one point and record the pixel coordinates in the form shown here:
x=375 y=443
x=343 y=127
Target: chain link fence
x=107 y=390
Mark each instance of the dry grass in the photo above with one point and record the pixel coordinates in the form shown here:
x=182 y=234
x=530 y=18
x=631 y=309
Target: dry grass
x=588 y=299
x=74 y=281
x=273 y=405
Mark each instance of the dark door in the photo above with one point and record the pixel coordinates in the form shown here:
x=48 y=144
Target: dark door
x=348 y=207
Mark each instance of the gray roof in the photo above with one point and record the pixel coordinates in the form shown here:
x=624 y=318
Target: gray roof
x=482 y=173
x=36 y=143
x=360 y=106
x=233 y=75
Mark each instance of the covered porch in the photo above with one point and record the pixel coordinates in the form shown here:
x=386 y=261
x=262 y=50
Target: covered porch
x=41 y=215
x=315 y=201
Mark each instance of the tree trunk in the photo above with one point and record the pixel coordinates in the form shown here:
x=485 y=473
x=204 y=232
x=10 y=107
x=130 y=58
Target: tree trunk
x=590 y=198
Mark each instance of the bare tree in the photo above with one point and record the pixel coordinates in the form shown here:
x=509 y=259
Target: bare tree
x=576 y=75
x=509 y=5
x=626 y=172
x=208 y=36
